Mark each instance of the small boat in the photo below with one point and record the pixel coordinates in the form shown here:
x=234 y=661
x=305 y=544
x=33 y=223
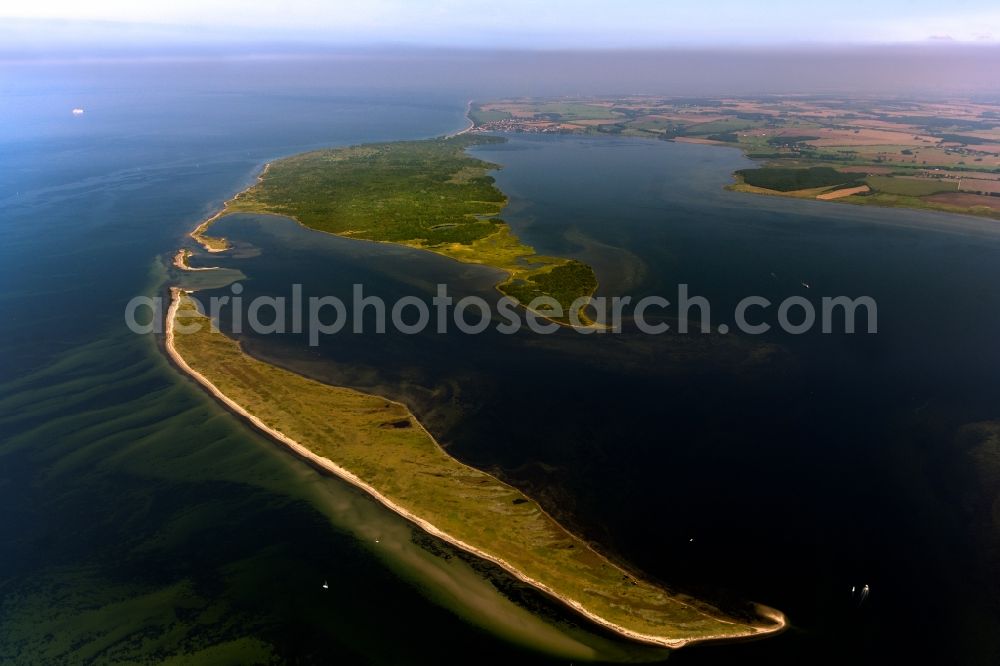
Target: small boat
x=326 y=586
x=78 y=111
x=806 y=285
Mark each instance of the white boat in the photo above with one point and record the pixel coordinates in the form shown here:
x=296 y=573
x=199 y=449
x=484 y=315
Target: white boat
x=78 y=111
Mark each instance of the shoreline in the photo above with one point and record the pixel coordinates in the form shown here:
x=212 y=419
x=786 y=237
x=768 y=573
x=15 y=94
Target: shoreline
x=221 y=245
x=180 y=261
x=328 y=465
x=471 y=125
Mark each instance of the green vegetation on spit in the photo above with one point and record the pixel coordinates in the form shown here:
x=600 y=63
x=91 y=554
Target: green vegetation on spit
x=379 y=445
x=425 y=194
x=790 y=179
x=891 y=191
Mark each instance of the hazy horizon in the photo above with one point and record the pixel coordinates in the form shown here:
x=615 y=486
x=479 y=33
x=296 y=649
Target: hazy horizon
x=897 y=70
x=714 y=47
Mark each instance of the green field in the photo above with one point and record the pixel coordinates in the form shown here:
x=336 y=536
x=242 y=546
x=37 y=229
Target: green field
x=783 y=179
x=911 y=187
x=425 y=194
x=570 y=111
x=790 y=139
x=479 y=116
x=922 y=203
x=654 y=124
x=381 y=443
x=721 y=126
x=728 y=137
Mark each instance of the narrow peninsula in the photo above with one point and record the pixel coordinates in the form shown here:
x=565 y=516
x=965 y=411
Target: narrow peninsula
x=426 y=194
x=379 y=446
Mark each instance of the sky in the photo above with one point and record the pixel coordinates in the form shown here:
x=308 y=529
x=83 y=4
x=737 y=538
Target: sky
x=557 y=24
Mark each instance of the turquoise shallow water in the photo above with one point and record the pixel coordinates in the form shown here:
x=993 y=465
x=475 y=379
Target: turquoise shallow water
x=144 y=522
